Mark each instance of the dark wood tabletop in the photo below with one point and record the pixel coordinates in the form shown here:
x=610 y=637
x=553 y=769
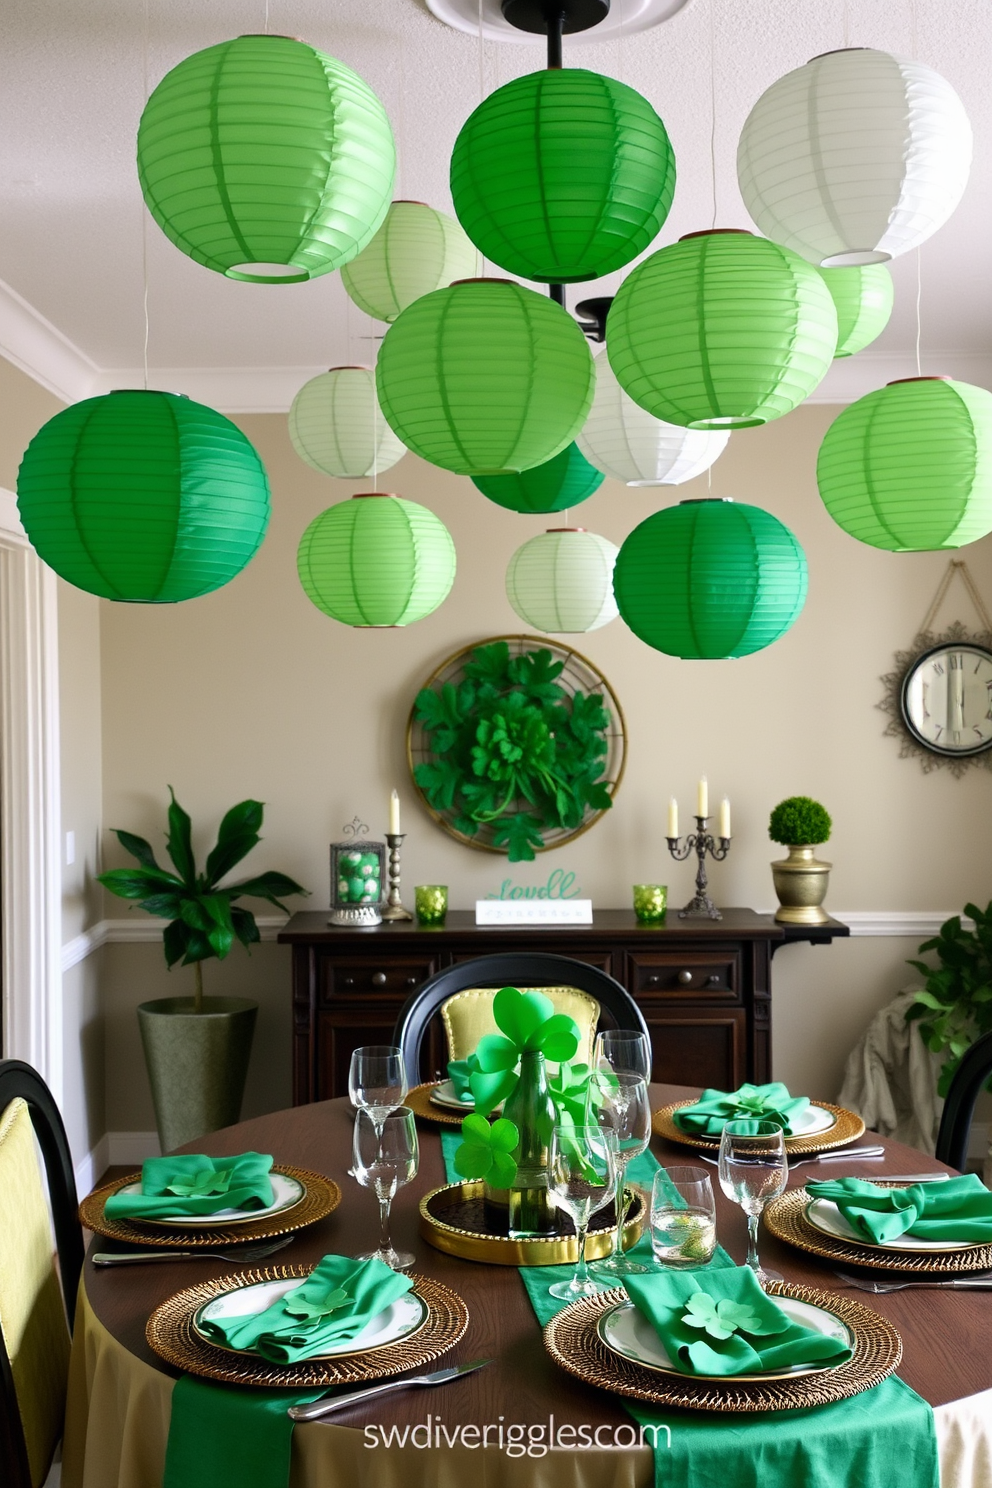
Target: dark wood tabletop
x=945 y=1333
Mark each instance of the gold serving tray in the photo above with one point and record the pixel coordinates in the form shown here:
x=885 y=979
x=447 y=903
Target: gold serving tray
x=786 y=1219
x=419 y=1102
x=321 y=1197
x=171 y=1334
x=847 y=1128
x=439 y=1215
x=572 y=1339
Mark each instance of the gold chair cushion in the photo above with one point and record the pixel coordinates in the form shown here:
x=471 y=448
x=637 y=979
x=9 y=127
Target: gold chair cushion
x=468 y=1015
x=32 y=1315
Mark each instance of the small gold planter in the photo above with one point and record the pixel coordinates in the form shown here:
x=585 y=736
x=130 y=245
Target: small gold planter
x=801 y=882
x=452 y=1219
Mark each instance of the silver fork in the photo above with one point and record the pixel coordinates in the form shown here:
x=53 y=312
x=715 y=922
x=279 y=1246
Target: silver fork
x=979 y=1282
x=242 y=1253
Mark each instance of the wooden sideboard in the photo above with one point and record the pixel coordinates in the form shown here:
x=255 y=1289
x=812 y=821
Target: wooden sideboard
x=704 y=986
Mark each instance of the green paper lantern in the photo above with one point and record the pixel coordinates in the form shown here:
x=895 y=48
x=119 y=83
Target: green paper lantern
x=909 y=467
x=710 y=579
x=143 y=496
x=563 y=175
x=558 y=484
x=862 y=296
x=721 y=330
x=266 y=160
x=415 y=251
x=376 y=560
x=485 y=377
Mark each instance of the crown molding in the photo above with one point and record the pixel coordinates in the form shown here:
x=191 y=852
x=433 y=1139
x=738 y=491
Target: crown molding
x=228 y=389
x=38 y=348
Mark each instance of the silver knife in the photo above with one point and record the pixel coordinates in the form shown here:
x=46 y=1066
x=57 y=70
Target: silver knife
x=319 y=1408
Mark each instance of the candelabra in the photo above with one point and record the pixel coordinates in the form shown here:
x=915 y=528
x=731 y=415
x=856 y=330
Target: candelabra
x=702 y=842
x=394 y=904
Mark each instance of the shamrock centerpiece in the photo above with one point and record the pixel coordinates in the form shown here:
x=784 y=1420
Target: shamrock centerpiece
x=720 y=1319
x=485 y=1151
x=530 y=1026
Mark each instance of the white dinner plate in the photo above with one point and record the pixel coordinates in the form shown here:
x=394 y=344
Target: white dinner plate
x=627 y=1332
x=401 y=1318
x=287 y=1191
x=444 y=1095
x=824 y=1216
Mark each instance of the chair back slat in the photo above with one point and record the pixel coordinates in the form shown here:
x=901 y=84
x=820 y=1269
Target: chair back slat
x=959 y=1107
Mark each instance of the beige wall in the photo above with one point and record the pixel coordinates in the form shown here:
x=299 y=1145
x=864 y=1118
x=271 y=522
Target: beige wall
x=252 y=691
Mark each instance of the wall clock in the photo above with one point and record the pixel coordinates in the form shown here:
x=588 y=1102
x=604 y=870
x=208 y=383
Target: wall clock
x=940 y=699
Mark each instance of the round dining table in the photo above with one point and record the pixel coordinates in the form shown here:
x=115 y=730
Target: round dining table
x=118 y=1409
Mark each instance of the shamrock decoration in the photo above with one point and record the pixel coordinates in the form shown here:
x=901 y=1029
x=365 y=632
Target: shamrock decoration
x=720 y=1319
x=204 y=1184
x=313 y=1310
x=529 y=1024
x=750 y=1102
x=571 y=1093
x=485 y=1150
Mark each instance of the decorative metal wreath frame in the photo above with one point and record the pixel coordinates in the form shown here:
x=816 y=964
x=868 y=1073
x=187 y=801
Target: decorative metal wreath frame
x=578 y=674
x=909 y=746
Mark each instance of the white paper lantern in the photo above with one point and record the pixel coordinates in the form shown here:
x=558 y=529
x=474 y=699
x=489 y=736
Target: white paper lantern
x=855 y=158
x=625 y=441
x=562 y=581
x=416 y=250
x=336 y=425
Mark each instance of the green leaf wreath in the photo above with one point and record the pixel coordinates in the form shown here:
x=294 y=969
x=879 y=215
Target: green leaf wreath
x=512 y=749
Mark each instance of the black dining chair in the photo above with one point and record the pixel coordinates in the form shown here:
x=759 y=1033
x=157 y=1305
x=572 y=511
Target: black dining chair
x=521 y=969
x=20 y=1418
x=970 y=1076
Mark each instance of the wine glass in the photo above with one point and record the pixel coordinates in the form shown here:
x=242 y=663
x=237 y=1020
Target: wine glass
x=753 y=1169
x=386 y=1155
x=377 y=1081
x=581 y=1169
x=624 y=1108
x=622 y=1050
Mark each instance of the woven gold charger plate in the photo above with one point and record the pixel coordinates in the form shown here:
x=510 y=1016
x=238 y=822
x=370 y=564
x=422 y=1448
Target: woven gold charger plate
x=171 y=1334
x=419 y=1102
x=321 y=1196
x=848 y=1127
x=572 y=1339
x=786 y=1219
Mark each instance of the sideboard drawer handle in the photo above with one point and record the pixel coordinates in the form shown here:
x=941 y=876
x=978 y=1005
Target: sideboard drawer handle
x=411 y=981
x=713 y=980
x=653 y=980
x=685 y=977
x=349 y=981
x=378 y=979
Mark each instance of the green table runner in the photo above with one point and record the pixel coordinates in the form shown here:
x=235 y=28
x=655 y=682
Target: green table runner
x=852 y=1444
x=223 y=1437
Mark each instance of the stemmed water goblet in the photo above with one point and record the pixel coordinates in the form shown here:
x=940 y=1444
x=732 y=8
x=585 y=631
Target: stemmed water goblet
x=623 y=1107
x=377 y=1081
x=622 y=1050
x=385 y=1156
x=753 y=1169
x=581 y=1169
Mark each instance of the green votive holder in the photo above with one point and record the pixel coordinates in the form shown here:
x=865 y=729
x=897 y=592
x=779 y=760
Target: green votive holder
x=431 y=903
x=650 y=903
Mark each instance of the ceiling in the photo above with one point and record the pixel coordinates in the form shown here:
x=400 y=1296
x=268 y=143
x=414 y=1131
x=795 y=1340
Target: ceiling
x=72 y=221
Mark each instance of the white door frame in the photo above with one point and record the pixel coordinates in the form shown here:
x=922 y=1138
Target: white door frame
x=30 y=804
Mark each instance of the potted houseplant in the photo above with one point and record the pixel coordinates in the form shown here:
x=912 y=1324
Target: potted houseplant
x=197 y=1048
x=801 y=879
x=954 y=1006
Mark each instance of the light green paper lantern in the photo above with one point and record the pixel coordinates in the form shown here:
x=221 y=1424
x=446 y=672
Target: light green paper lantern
x=561 y=582
x=558 y=484
x=336 y=425
x=710 y=579
x=485 y=377
x=909 y=466
x=376 y=560
x=415 y=251
x=143 y=496
x=862 y=296
x=721 y=330
x=266 y=160
x=563 y=175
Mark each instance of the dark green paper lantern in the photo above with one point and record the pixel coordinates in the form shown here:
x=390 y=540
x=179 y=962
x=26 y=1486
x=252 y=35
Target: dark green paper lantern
x=143 y=496
x=266 y=160
x=710 y=579
x=563 y=175
x=558 y=484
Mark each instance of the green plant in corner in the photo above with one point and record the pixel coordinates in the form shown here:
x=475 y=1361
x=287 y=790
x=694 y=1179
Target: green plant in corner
x=204 y=920
x=955 y=1005
x=799 y=821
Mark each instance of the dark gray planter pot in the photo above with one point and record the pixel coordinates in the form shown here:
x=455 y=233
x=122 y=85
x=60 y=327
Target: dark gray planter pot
x=197 y=1063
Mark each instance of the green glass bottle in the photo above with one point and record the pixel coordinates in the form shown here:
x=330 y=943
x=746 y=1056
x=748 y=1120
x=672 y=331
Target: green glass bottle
x=532 y=1111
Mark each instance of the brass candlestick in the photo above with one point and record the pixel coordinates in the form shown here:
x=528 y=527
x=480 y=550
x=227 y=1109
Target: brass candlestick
x=394 y=909
x=700 y=841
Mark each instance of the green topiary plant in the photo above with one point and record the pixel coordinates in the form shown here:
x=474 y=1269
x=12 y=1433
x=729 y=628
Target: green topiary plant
x=955 y=1004
x=799 y=821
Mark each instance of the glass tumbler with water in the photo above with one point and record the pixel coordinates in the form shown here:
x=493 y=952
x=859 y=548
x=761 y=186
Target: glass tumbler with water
x=683 y=1217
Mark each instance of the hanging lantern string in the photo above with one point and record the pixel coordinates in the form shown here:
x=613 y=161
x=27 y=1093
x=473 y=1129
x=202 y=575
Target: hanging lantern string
x=375 y=418
x=620 y=45
x=144 y=213
x=482 y=99
x=913 y=33
x=847 y=23
x=266 y=17
x=919 y=297
x=713 y=103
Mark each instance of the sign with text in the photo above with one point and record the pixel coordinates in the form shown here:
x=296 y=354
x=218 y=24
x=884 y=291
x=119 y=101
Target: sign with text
x=533 y=911
x=560 y=885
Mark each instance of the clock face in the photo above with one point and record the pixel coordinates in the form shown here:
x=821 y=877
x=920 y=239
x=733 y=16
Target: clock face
x=947 y=699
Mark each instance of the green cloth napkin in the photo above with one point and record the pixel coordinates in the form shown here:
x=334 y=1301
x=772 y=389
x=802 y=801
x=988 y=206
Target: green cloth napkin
x=222 y=1437
x=958 y=1211
x=724 y=1324
x=339 y=1298
x=196 y=1185
x=714 y=1108
x=459 y=1071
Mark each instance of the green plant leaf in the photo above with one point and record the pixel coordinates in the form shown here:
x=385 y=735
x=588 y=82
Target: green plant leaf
x=166 y=906
x=180 y=842
x=237 y=835
x=271 y=886
x=138 y=848
x=137 y=883
x=175 y=940
x=243 y=923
